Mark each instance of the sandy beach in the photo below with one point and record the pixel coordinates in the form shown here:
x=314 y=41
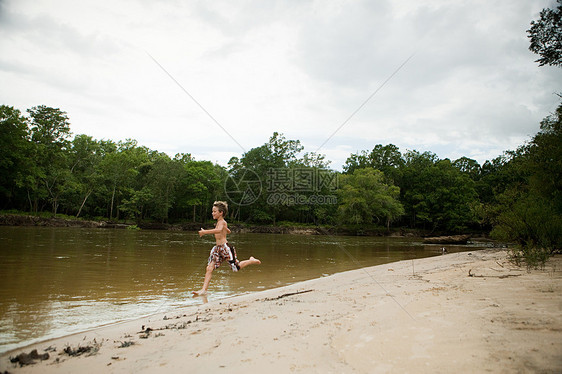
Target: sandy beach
x=464 y=312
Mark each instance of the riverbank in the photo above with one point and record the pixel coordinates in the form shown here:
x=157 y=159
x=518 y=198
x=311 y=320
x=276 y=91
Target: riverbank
x=461 y=312
x=283 y=228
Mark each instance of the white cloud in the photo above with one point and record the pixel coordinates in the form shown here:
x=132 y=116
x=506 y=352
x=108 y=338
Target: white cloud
x=297 y=67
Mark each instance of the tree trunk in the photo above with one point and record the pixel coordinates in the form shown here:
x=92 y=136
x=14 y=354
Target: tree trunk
x=112 y=199
x=55 y=206
x=30 y=202
x=83 y=202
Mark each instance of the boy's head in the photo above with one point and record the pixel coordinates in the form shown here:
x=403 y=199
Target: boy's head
x=222 y=207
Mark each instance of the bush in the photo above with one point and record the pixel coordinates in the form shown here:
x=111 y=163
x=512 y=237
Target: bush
x=531 y=256
x=533 y=224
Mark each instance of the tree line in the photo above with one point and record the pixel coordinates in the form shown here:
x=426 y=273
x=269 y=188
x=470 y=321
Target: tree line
x=44 y=169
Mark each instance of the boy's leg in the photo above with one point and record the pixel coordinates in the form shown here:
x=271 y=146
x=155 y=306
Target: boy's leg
x=208 y=275
x=250 y=261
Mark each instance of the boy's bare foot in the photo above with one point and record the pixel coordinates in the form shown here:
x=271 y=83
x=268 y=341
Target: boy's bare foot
x=251 y=261
x=199 y=293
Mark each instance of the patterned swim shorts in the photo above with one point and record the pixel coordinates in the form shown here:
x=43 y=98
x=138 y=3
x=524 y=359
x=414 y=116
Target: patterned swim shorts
x=222 y=252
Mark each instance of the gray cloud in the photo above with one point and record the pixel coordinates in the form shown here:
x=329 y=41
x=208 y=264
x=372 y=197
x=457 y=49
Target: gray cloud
x=298 y=67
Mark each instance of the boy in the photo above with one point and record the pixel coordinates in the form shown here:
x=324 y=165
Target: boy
x=221 y=251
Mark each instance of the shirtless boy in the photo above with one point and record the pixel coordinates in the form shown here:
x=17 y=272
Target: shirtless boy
x=221 y=251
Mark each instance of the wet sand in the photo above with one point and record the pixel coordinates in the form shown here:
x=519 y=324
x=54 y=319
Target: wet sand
x=462 y=312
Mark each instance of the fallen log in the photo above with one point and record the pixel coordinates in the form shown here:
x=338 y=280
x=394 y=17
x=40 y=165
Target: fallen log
x=449 y=239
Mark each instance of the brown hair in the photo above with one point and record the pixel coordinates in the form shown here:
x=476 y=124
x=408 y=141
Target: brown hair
x=222 y=206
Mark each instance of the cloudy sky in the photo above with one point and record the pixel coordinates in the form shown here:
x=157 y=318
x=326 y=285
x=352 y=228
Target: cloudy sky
x=217 y=78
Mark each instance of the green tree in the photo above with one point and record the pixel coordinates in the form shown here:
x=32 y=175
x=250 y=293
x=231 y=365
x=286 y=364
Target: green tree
x=529 y=210
x=135 y=204
x=545 y=36
x=84 y=158
x=256 y=166
x=199 y=184
x=468 y=166
x=387 y=159
x=495 y=177
x=50 y=130
x=366 y=198
x=436 y=195
x=413 y=187
x=545 y=159
x=283 y=152
x=529 y=220
x=359 y=160
x=14 y=153
x=278 y=166
x=119 y=171
x=162 y=180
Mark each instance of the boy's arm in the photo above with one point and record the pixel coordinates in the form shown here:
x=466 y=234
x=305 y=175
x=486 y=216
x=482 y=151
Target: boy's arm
x=217 y=230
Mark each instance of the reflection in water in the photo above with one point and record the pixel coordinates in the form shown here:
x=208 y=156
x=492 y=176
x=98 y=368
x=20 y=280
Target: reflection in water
x=55 y=281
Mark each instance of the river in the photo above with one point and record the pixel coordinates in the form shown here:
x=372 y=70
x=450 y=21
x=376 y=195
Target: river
x=56 y=281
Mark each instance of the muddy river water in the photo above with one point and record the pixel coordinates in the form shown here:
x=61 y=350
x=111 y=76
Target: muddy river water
x=56 y=281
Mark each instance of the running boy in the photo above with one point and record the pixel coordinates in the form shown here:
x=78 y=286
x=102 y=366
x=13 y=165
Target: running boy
x=221 y=251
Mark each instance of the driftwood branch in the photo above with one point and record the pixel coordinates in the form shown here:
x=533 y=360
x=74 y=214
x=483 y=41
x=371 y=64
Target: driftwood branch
x=470 y=274
x=287 y=294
